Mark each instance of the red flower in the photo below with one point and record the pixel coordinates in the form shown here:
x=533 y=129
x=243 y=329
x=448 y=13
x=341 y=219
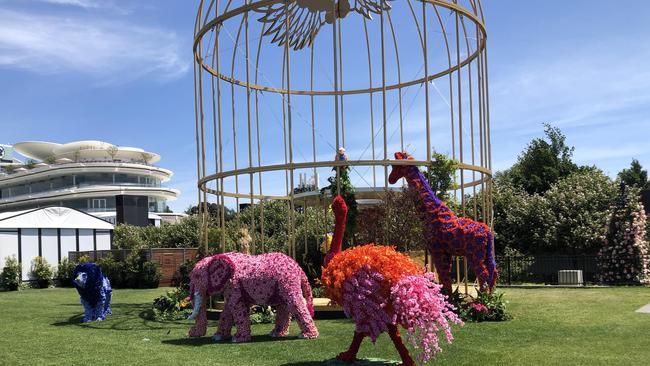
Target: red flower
x=479 y=307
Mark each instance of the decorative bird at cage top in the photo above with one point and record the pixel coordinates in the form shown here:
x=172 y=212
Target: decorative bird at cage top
x=306 y=17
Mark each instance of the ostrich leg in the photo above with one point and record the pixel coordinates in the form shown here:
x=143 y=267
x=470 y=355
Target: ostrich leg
x=393 y=331
x=351 y=353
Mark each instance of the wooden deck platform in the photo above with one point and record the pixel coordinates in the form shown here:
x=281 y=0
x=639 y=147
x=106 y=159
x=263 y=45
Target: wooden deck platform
x=320 y=304
x=324 y=309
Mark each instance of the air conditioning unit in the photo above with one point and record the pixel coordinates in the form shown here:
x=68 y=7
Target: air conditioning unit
x=570 y=277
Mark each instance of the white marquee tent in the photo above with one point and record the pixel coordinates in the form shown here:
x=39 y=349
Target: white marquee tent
x=51 y=233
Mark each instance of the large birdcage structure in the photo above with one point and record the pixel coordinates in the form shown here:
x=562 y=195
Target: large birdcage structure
x=282 y=85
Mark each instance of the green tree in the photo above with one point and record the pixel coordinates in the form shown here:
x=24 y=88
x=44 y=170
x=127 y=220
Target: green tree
x=127 y=237
x=569 y=219
x=544 y=162
x=64 y=272
x=183 y=234
x=635 y=176
x=270 y=232
x=311 y=225
x=580 y=205
x=520 y=220
x=11 y=275
x=270 y=236
x=396 y=221
x=214 y=211
x=42 y=272
x=440 y=175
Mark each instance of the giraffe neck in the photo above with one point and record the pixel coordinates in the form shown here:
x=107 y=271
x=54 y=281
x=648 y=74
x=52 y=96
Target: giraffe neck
x=429 y=201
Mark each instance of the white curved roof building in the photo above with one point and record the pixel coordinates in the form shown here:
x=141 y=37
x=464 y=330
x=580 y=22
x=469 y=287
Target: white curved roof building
x=85 y=175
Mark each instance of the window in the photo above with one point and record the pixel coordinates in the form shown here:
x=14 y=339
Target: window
x=98 y=204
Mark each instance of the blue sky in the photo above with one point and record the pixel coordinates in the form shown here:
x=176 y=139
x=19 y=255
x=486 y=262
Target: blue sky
x=122 y=72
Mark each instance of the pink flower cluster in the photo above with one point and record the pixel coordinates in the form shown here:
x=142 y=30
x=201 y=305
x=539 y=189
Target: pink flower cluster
x=363 y=302
x=479 y=307
x=268 y=279
x=423 y=311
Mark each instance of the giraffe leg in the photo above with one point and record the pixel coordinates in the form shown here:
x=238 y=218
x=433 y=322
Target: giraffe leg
x=351 y=354
x=481 y=271
x=393 y=332
x=442 y=262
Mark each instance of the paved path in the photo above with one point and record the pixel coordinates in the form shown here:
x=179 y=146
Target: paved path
x=644 y=309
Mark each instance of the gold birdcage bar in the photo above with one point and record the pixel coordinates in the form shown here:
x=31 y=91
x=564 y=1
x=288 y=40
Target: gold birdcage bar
x=302 y=90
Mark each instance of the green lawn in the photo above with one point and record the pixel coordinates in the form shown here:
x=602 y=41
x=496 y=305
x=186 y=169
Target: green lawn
x=550 y=327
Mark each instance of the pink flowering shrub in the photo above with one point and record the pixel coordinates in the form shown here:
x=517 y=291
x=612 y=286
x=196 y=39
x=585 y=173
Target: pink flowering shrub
x=484 y=307
x=475 y=312
x=624 y=257
x=480 y=307
x=423 y=311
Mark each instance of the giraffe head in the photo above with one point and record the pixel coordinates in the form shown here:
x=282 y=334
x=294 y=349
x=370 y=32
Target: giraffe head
x=399 y=171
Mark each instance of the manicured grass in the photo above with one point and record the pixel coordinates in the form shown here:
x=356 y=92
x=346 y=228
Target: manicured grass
x=550 y=327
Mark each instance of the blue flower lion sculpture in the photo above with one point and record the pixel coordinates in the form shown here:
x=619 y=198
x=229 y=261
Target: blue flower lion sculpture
x=95 y=291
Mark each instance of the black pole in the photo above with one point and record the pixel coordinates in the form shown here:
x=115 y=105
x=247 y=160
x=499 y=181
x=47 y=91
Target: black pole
x=58 y=244
x=95 y=245
x=40 y=243
x=20 y=248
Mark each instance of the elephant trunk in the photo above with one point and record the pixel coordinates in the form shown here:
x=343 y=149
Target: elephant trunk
x=198 y=295
x=199 y=315
x=197 y=300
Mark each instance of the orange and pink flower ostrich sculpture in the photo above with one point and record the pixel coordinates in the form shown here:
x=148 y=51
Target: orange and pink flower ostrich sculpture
x=381 y=289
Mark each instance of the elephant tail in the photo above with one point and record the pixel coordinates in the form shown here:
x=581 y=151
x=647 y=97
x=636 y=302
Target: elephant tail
x=306 y=292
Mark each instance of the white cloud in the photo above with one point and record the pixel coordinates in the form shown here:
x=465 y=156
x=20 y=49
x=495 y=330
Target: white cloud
x=579 y=88
x=110 y=51
x=86 y=4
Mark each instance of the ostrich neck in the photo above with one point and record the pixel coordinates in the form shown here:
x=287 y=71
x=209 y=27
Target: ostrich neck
x=339 y=230
x=429 y=201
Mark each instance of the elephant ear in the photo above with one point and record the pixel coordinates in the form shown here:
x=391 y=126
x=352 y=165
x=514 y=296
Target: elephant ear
x=221 y=270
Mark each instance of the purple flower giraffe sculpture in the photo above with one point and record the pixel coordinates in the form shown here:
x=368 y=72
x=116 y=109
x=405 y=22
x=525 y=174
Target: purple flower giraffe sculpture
x=448 y=235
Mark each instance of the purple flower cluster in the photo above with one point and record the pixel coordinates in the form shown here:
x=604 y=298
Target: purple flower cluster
x=423 y=311
x=363 y=302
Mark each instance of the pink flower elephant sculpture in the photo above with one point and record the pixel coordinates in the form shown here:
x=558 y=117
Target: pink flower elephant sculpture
x=268 y=279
